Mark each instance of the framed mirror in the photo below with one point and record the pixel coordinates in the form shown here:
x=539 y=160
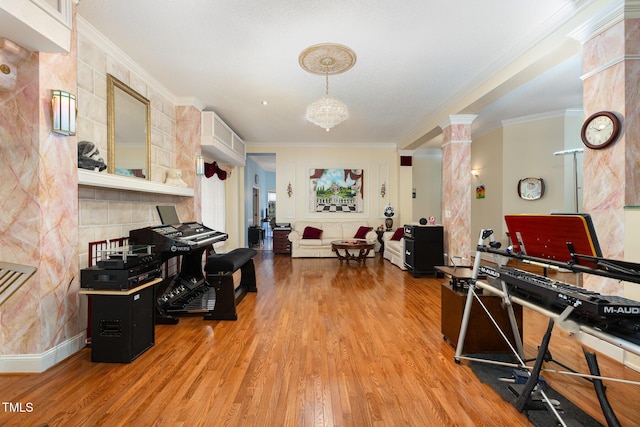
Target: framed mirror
x=128 y=130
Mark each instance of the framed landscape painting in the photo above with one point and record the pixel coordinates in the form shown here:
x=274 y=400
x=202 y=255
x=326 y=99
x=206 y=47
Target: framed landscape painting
x=336 y=190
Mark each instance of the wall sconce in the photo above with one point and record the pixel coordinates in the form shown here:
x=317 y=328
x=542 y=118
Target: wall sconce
x=475 y=172
x=199 y=165
x=289 y=190
x=63 y=112
x=383 y=190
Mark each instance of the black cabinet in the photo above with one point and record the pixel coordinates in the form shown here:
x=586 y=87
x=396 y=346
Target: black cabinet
x=255 y=236
x=122 y=323
x=423 y=248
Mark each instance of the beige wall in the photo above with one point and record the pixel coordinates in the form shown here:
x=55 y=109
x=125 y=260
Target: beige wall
x=293 y=164
x=486 y=157
x=523 y=148
x=573 y=120
x=528 y=147
x=427 y=180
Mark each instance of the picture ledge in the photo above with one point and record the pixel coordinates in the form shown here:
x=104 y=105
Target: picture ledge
x=118 y=182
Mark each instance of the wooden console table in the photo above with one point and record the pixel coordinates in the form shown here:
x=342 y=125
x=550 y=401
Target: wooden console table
x=281 y=243
x=482 y=336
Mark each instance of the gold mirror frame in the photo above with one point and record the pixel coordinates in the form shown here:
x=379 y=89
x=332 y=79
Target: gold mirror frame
x=112 y=84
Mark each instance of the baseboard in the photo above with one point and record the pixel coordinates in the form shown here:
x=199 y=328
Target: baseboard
x=603 y=347
x=33 y=363
x=632 y=360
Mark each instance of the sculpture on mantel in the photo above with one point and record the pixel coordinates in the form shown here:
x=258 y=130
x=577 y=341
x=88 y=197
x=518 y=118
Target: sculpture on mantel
x=89 y=157
x=174 y=177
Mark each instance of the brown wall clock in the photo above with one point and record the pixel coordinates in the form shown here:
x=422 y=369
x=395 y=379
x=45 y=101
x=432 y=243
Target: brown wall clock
x=600 y=130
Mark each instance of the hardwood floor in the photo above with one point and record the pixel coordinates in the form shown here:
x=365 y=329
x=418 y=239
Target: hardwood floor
x=318 y=345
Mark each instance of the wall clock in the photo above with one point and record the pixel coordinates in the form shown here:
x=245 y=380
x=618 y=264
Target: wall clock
x=531 y=188
x=600 y=130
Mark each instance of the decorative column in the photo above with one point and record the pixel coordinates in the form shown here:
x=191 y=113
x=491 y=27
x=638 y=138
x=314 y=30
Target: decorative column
x=39 y=205
x=611 y=58
x=188 y=125
x=456 y=184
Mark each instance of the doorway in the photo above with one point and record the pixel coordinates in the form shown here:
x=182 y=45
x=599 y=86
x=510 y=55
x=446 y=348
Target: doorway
x=259 y=178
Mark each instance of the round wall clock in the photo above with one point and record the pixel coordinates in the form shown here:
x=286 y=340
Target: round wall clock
x=600 y=130
x=531 y=188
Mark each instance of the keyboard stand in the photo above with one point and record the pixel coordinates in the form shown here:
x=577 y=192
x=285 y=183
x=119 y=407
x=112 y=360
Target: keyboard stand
x=524 y=400
x=471 y=294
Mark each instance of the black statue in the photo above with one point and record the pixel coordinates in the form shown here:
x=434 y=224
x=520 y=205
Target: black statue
x=89 y=157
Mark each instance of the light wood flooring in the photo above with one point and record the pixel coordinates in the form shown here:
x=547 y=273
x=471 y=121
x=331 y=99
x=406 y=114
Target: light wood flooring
x=318 y=345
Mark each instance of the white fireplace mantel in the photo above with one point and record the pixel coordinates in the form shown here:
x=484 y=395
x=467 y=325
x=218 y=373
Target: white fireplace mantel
x=118 y=182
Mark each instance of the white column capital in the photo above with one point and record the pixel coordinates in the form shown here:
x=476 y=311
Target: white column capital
x=458 y=119
x=406 y=152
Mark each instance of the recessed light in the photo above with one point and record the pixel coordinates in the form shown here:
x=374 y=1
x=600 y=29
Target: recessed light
x=265 y=103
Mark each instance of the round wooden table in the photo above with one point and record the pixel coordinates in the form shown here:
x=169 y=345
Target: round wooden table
x=349 y=247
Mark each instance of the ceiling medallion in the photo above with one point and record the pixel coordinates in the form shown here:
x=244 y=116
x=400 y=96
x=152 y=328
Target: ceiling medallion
x=325 y=59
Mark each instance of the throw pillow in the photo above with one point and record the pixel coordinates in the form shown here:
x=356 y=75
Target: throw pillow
x=311 y=233
x=398 y=234
x=362 y=232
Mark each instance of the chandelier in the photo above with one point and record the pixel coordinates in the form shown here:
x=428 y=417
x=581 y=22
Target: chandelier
x=325 y=59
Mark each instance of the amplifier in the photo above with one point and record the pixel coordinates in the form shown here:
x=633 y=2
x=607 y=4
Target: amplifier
x=119 y=261
x=117 y=278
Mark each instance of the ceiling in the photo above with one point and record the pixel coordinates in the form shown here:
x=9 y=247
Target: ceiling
x=418 y=61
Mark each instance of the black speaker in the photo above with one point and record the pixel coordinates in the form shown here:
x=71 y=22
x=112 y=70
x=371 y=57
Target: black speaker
x=123 y=326
x=423 y=248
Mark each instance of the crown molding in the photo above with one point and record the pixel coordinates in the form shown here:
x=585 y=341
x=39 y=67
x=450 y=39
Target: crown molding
x=534 y=117
x=611 y=14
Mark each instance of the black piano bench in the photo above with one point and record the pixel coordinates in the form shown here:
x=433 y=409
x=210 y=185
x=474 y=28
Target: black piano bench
x=219 y=270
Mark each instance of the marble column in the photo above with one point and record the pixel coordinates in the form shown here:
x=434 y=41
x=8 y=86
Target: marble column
x=611 y=61
x=188 y=136
x=38 y=201
x=456 y=184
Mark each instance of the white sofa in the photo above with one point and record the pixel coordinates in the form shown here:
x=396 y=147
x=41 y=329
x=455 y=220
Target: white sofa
x=337 y=230
x=393 y=249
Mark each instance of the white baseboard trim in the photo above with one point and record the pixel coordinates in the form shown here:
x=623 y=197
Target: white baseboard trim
x=632 y=361
x=608 y=349
x=33 y=363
